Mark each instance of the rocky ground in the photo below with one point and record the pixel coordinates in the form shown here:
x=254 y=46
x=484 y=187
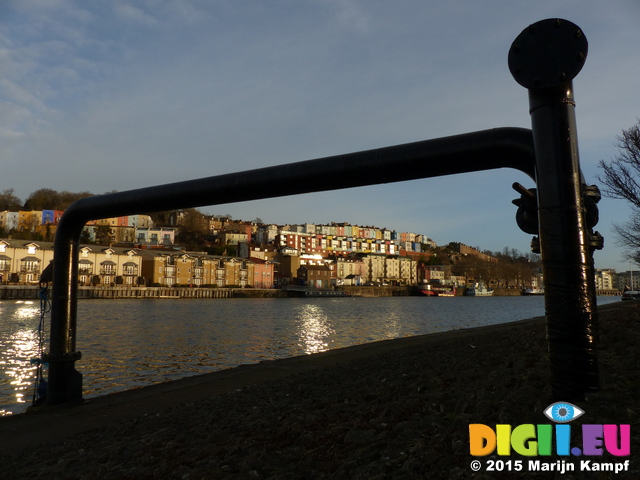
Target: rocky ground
x=399 y=414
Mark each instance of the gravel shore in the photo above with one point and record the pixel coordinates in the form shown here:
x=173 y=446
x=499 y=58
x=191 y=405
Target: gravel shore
x=401 y=413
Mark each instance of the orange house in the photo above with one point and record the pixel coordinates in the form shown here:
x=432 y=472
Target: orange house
x=263 y=273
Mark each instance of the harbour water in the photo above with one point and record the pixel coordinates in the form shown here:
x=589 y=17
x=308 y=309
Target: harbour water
x=132 y=343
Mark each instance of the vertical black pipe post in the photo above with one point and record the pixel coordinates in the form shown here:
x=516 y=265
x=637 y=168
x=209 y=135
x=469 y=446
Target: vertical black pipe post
x=65 y=382
x=545 y=58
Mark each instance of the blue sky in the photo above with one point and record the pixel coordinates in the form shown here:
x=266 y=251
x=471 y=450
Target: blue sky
x=118 y=95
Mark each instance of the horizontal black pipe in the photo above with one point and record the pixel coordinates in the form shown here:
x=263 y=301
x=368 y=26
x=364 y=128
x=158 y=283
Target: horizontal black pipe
x=485 y=150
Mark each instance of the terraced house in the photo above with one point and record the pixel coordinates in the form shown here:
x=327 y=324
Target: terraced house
x=22 y=262
x=99 y=265
x=199 y=269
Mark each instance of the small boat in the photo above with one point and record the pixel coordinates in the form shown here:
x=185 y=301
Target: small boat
x=445 y=290
x=631 y=295
x=436 y=290
x=479 y=290
x=426 y=291
x=533 y=291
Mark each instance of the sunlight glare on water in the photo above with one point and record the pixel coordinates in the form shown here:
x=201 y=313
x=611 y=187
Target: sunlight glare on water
x=18 y=345
x=314 y=328
x=132 y=343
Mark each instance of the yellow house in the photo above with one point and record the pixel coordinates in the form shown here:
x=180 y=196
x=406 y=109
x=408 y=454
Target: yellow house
x=99 y=265
x=194 y=269
x=29 y=221
x=22 y=261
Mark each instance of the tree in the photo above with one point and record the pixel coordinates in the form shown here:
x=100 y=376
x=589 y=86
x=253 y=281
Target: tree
x=8 y=201
x=193 y=227
x=48 y=199
x=103 y=234
x=67 y=198
x=43 y=199
x=621 y=180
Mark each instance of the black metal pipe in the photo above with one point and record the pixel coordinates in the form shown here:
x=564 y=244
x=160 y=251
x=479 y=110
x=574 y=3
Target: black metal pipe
x=544 y=58
x=489 y=149
x=567 y=263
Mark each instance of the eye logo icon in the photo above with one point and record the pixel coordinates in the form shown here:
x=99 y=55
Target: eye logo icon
x=563 y=412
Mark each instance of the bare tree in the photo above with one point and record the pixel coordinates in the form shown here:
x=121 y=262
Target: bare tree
x=621 y=180
x=8 y=201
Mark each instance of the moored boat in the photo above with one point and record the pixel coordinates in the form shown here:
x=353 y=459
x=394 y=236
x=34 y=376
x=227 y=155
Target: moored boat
x=445 y=290
x=533 y=291
x=426 y=291
x=479 y=290
x=630 y=295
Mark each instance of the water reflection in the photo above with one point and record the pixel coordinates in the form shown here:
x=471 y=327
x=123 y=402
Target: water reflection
x=392 y=325
x=313 y=328
x=26 y=310
x=16 y=367
x=132 y=343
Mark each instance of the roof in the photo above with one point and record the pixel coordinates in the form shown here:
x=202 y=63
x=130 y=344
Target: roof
x=261 y=261
x=316 y=267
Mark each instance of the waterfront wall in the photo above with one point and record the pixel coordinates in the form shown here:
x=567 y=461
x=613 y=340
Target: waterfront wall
x=385 y=291
x=26 y=292
x=506 y=292
x=19 y=292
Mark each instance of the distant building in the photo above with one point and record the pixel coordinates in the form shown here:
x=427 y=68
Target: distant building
x=606 y=279
x=155 y=236
x=9 y=220
x=463 y=249
x=628 y=280
x=99 y=265
x=263 y=273
x=317 y=276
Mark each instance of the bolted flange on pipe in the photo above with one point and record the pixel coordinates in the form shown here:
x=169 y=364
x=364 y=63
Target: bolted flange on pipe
x=545 y=58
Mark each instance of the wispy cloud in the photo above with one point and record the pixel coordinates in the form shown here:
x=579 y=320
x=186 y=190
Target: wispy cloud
x=351 y=15
x=134 y=15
